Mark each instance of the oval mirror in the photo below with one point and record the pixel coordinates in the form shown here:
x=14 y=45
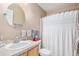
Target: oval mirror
x=15 y=15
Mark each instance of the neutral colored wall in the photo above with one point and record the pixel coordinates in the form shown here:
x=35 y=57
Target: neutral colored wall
x=7 y=31
x=33 y=14
x=63 y=7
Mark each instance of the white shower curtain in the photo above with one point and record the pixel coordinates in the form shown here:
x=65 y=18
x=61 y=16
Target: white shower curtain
x=59 y=33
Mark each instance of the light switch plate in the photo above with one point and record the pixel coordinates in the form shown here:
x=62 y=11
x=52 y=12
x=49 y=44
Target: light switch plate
x=29 y=32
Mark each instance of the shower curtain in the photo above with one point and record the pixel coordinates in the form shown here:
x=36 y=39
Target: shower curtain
x=59 y=33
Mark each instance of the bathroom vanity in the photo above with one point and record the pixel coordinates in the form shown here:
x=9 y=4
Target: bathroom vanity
x=31 y=50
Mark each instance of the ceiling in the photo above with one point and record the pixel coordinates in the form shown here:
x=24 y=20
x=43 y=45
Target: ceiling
x=55 y=7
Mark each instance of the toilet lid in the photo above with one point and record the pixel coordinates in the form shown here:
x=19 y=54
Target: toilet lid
x=44 y=52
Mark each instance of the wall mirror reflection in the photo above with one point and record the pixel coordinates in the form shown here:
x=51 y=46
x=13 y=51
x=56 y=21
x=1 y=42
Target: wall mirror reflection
x=15 y=16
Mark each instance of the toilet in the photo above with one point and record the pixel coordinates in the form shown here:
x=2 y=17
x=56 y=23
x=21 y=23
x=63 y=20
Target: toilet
x=44 y=52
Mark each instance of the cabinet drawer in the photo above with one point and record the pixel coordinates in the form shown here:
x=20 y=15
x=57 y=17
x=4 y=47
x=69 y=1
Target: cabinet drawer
x=33 y=52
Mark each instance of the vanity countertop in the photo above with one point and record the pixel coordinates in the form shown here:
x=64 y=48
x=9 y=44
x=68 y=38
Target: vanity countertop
x=7 y=52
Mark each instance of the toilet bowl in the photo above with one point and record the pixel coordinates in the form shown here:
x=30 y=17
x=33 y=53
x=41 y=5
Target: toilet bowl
x=44 y=52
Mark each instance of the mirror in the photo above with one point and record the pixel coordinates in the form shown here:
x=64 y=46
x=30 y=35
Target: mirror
x=15 y=16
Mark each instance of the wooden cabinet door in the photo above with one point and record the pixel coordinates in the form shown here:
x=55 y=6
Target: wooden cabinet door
x=24 y=54
x=33 y=52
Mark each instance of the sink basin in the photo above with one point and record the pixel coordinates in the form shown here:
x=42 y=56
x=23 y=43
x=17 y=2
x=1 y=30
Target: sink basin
x=17 y=46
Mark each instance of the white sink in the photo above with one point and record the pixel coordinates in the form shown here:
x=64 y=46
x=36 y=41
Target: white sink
x=18 y=46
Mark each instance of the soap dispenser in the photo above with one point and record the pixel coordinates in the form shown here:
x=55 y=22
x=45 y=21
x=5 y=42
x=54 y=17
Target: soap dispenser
x=1 y=40
x=1 y=37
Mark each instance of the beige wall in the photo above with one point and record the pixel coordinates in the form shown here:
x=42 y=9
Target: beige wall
x=60 y=7
x=7 y=31
x=33 y=14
